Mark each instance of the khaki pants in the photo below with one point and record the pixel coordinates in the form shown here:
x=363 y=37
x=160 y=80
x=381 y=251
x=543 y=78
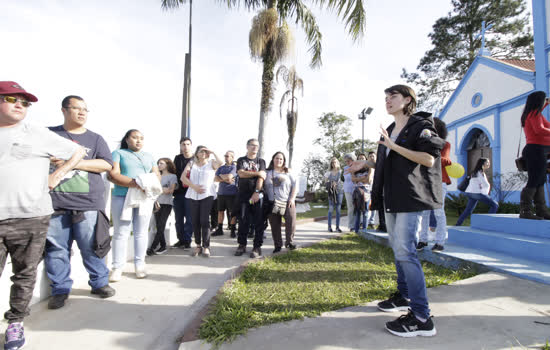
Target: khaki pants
x=275 y=221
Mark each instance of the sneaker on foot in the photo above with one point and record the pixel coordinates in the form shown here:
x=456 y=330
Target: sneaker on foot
x=409 y=326
x=291 y=246
x=150 y=252
x=206 y=252
x=370 y=227
x=196 y=251
x=57 y=301
x=381 y=228
x=15 y=336
x=256 y=253
x=396 y=302
x=178 y=244
x=338 y=230
x=233 y=233
x=141 y=272
x=240 y=250
x=437 y=247
x=186 y=245
x=329 y=229
x=277 y=250
x=218 y=232
x=104 y=292
x=116 y=275
x=161 y=251
x=421 y=245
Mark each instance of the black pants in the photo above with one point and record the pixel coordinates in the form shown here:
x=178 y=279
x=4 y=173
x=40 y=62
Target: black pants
x=161 y=216
x=536 y=157
x=200 y=215
x=250 y=213
x=214 y=214
x=24 y=240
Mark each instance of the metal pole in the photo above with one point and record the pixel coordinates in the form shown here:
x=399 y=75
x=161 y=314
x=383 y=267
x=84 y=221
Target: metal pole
x=363 y=135
x=189 y=82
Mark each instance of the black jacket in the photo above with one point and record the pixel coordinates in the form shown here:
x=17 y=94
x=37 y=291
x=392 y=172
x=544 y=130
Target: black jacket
x=401 y=185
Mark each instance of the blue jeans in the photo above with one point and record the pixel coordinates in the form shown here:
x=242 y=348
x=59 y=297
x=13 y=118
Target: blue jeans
x=370 y=214
x=358 y=216
x=61 y=234
x=402 y=231
x=332 y=206
x=139 y=226
x=473 y=198
x=182 y=212
x=440 y=222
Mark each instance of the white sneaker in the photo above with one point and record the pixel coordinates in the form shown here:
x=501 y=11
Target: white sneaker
x=141 y=272
x=116 y=275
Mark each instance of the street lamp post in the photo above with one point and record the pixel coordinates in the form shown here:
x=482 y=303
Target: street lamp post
x=363 y=115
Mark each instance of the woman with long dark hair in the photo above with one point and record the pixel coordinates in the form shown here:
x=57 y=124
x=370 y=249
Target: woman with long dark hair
x=535 y=152
x=280 y=185
x=201 y=192
x=335 y=189
x=478 y=190
x=129 y=162
x=163 y=205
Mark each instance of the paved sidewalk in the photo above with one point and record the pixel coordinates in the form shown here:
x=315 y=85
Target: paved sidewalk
x=146 y=314
x=488 y=311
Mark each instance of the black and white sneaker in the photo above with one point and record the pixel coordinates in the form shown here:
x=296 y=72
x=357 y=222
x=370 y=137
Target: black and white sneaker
x=421 y=245
x=396 y=302
x=409 y=326
x=160 y=251
x=437 y=247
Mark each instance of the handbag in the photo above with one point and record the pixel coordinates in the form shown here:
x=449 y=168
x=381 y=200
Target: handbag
x=520 y=161
x=279 y=206
x=462 y=186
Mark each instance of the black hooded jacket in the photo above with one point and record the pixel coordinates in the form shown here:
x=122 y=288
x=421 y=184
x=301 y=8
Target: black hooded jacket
x=401 y=185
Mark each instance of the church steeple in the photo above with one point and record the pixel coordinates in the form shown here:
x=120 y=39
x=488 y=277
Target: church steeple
x=484 y=51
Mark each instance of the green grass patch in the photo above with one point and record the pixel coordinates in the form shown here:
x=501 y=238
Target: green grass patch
x=344 y=271
x=313 y=213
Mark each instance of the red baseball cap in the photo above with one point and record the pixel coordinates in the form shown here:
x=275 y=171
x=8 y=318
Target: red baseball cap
x=12 y=88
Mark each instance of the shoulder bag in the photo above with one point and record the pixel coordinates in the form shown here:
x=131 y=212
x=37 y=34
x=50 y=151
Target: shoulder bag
x=520 y=161
x=464 y=184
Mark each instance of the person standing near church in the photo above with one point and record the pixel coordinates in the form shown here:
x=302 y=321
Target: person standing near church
x=25 y=202
x=535 y=153
x=227 y=193
x=78 y=203
x=182 y=205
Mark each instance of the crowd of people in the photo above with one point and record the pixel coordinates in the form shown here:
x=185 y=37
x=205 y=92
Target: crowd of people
x=61 y=199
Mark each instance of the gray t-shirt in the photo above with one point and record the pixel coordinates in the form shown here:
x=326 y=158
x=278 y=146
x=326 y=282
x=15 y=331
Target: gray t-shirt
x=25 y=152
x=279 y=185
x=167 y=181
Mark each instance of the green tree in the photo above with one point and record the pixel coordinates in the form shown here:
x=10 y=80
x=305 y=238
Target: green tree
x=334 y=133
x=456 y=44
x=314 y=168
x=269 y=28
x=292 y=83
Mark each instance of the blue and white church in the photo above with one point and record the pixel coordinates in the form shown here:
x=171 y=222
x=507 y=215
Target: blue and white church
x=483 y=113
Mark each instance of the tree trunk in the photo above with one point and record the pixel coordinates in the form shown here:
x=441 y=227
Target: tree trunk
x=267 y=93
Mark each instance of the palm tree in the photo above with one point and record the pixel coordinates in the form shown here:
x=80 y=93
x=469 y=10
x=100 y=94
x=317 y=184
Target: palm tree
x=269 y=27
x=293 y=82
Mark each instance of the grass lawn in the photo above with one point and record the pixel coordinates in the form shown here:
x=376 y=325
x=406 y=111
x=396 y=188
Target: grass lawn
x=313 y=213
x=344 y=271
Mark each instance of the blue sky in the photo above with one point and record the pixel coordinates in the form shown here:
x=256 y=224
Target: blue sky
x=126 y=59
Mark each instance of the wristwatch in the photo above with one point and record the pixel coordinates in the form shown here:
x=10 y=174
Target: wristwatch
x=257 y=191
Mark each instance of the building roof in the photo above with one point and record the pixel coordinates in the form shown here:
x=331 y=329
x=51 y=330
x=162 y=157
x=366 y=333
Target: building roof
x=528 y=65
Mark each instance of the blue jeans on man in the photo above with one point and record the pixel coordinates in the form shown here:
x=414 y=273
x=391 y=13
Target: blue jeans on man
x=182 y=211
x=61 y=234
x=402 y=233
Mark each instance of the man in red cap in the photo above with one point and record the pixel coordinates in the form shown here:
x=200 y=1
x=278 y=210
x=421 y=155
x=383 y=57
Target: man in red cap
x=25 y=203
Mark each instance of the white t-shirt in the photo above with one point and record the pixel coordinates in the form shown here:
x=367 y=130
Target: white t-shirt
x=25 y=152
x=202 y=176
x=479 y=184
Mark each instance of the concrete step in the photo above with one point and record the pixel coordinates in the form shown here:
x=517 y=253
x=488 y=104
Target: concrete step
x=511 y=223
x=515 y=245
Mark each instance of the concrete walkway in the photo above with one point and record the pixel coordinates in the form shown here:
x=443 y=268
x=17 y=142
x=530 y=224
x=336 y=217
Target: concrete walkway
x=146 y=314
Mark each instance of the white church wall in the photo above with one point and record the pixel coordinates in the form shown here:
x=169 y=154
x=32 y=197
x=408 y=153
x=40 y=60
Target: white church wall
x=510 y=134
x=487 y=123
x=495 y=87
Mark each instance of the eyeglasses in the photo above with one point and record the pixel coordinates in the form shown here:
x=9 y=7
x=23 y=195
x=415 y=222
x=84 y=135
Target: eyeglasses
x=80 y=109
x=14 y=100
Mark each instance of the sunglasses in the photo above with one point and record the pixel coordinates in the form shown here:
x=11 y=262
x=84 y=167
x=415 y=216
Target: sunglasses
x=11 y=99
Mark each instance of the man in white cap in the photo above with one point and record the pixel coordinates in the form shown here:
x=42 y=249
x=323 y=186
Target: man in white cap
x=25 y=203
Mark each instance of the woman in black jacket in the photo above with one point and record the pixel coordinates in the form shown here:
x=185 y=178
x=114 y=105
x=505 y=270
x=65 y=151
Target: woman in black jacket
x=408 y=174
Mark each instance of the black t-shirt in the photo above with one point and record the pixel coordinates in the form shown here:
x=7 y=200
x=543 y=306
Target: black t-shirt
x=79 y=189
x=180 y=162
x=248 y=185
